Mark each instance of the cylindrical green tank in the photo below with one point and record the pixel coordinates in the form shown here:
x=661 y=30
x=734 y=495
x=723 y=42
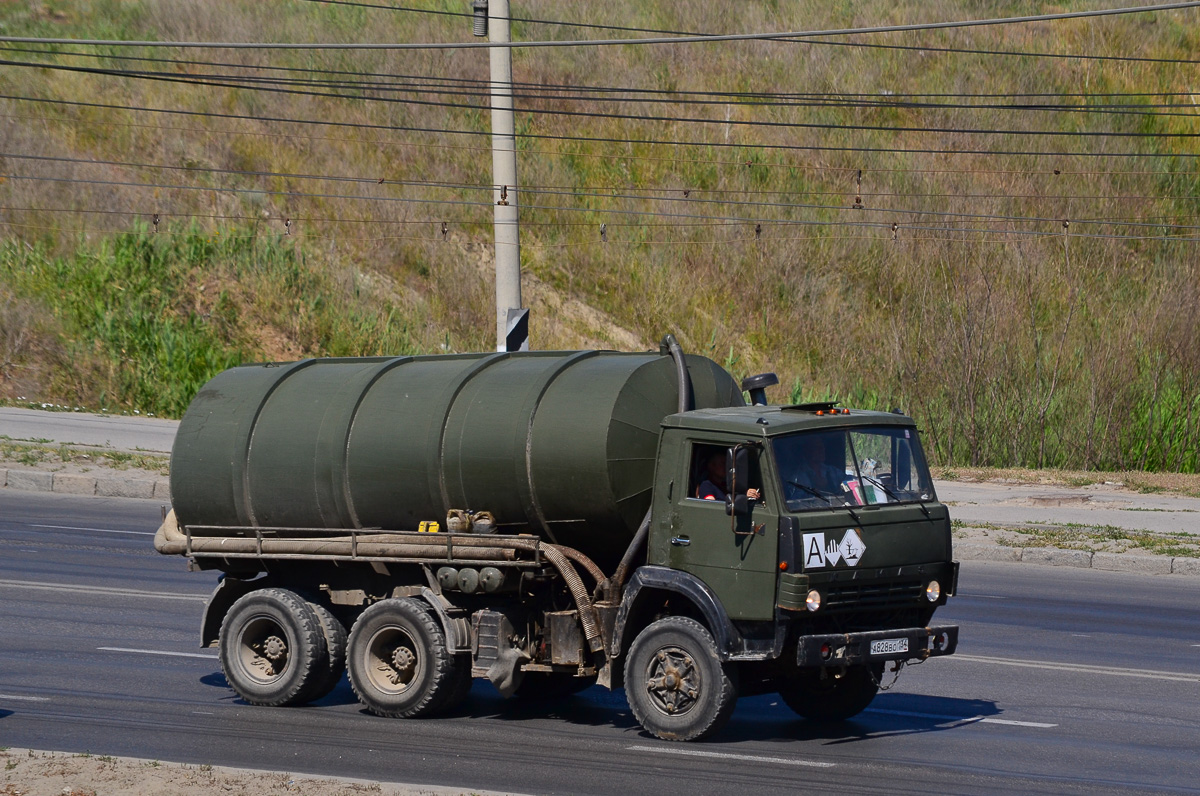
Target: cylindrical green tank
x=562 y=444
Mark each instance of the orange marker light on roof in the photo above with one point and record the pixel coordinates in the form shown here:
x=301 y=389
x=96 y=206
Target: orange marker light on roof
x=783 y=566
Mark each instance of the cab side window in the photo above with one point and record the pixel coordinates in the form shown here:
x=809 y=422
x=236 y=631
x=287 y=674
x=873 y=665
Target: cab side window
x=706 y=479
x=703 y=478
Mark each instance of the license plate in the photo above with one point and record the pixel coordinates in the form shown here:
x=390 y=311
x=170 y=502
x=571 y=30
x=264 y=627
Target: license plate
x=889 y=646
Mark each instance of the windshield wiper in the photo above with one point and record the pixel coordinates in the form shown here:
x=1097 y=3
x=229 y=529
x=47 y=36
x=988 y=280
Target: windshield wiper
x=893 y=495
x=812 y=491
x=882 y=486
x=822 y=496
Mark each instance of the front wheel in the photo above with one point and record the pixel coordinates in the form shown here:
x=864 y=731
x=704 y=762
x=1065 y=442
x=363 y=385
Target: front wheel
x=831 y=694
x=676 y=685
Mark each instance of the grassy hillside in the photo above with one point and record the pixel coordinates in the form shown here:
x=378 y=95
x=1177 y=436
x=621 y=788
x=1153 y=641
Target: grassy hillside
x=1015 y=339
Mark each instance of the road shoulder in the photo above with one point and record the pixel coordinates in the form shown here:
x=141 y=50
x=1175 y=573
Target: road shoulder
x=29 y=772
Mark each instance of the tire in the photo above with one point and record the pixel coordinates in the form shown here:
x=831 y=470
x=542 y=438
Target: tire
x=460 y=685
x=335 y=643
x=836 y=697
x=273 y=651
x=541 y=686
x=398 y=662
x=677 y=687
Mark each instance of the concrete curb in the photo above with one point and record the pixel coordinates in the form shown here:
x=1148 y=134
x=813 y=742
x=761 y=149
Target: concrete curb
x=112 y=484
x=1081 y=559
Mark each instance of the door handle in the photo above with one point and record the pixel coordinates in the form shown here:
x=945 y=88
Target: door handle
x=680 y=541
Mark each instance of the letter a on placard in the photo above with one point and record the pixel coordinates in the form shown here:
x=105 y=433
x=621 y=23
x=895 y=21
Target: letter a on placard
x=814 y=550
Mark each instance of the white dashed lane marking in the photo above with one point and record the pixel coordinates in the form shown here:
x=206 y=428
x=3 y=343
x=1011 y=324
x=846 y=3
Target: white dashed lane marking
x=961 y=719
x=93 y=530
x=206 y=656
x=23 y=698
x=104 y=590
x=786 y=761
x=1115 y=671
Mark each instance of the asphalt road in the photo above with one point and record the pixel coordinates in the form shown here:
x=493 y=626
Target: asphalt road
x=1066 y=681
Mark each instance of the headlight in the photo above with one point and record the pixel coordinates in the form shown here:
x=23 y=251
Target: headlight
x=933 y=591
x=813 y=602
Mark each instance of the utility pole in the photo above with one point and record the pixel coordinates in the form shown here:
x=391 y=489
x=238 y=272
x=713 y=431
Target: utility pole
x=492 y=19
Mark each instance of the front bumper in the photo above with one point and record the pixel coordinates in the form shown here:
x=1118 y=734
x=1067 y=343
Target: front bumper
x=905 y=644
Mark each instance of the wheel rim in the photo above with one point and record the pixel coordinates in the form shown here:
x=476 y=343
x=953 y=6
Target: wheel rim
x=263 y=650
x=673 y=681
x=394 y=662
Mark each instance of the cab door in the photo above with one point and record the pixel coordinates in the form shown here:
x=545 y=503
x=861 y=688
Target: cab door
x=736 y=559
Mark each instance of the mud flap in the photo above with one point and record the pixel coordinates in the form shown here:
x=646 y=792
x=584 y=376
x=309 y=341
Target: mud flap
x=493 y=654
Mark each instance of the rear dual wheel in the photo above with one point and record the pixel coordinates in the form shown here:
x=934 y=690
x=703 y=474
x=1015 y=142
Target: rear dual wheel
x=399 y=664
x=335 y=644
x=273 y=649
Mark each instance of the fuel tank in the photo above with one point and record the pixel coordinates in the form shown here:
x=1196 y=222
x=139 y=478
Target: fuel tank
x=560 y=444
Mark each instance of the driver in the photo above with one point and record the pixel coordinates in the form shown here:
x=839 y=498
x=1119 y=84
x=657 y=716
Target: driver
x=714 y=486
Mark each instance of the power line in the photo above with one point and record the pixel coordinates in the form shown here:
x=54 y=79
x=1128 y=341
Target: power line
x=594 y=155
x=612 y=211
x=643 y=193
x=171 y=78
x=642 y=141
x=907 y=229
x=778 y=36
x=528 y=91
x=257 y=219
x=865 y=45
x=724 y=97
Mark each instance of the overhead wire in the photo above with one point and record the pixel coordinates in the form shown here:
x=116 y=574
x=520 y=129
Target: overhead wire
x=611 y=140
x=171 y=78
x=644 y=192
x=674 y=143
x=908 y=229
x=870 y=45
x=692 y=39
x=741 y=205
x=532 y=92
x=758 y=97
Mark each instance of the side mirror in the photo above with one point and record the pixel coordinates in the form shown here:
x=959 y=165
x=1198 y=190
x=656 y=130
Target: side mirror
x=737 y=470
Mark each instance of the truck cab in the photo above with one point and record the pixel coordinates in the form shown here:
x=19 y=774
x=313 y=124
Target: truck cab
x=819 y=558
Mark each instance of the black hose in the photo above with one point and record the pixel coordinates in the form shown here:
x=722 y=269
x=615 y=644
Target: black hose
x=669 y=345
x=617 y=582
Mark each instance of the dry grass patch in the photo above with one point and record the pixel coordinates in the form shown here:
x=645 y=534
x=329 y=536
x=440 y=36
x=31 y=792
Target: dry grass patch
x=1187 y=484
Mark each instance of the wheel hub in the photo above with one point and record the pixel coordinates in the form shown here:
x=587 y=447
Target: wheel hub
x=673 y=681
x=403 y=661
x=274 y=649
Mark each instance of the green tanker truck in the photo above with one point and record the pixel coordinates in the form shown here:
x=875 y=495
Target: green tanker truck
x=549 y=520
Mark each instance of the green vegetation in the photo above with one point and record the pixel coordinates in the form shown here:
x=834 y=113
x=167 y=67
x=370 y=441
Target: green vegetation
x=1104 y=538
x=1015 y=340
x=33 y=455
x=147 y=319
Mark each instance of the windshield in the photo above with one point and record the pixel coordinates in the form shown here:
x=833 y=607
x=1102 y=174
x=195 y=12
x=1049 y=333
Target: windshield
x=852 y=467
